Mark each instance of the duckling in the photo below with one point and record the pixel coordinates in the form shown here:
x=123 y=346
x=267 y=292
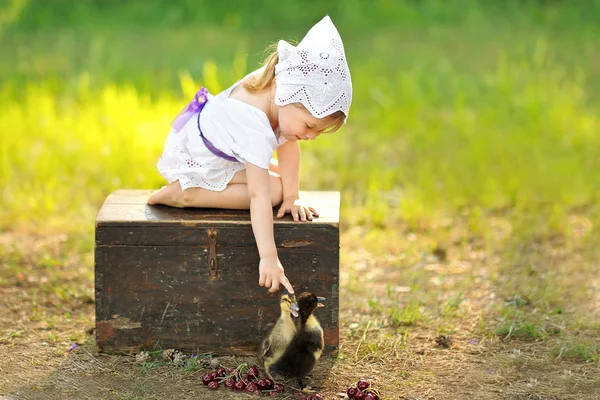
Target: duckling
x=304 y=350
x=282 y=333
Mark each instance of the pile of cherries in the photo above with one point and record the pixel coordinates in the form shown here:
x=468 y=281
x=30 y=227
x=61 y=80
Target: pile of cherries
x=363 y=391
x=243 y=378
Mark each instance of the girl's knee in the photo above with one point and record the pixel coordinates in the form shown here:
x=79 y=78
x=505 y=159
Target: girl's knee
x=276 y=190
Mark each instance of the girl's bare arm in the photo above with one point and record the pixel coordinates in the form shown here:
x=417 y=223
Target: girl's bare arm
x=288 y=156
x=271 y=273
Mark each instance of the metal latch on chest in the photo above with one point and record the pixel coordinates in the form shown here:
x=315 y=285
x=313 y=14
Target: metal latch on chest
x=213 y=265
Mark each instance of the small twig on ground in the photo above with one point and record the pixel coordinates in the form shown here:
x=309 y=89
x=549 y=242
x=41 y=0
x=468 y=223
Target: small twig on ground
x=362 y=339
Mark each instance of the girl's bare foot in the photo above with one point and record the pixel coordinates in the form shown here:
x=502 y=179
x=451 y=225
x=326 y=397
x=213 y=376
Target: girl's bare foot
x=170 y=195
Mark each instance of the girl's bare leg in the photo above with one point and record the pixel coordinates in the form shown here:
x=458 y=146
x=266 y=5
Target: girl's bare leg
x=235 y=196
x=170 y=195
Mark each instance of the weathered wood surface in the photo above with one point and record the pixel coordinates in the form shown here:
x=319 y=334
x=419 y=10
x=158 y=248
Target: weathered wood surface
x=154 y=285
x=129 y=207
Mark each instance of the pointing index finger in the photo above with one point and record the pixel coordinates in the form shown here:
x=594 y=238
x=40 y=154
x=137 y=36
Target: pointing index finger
x=287 y=285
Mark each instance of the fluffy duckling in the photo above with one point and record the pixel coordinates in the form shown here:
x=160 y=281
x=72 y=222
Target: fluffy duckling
x=282 y=333
x=304 y=350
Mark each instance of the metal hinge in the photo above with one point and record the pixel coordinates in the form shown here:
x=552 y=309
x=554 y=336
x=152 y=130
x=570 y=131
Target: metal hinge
x=213 y=265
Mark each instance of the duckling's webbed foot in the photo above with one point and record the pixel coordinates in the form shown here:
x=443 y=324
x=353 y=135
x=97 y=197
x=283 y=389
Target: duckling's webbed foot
x=301 y=384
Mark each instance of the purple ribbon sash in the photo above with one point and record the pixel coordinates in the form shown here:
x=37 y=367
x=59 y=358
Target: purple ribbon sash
x=196 y=106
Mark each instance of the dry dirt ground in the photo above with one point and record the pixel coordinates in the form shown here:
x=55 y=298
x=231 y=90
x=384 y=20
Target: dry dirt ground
x=420 y=320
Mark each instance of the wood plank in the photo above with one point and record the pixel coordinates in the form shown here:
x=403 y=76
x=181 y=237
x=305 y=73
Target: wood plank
x=316 y=237
x=130 y=206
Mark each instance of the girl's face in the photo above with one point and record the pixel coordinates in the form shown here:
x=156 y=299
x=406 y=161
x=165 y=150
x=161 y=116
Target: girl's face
x=297 y=123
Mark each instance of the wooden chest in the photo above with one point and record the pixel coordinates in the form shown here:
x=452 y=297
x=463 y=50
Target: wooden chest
x=188 y=278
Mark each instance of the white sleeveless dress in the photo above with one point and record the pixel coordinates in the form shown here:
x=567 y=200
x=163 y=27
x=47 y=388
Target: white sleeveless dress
x=236 y=128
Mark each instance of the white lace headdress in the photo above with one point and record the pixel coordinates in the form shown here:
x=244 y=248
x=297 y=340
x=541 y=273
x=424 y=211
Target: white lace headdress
x=315 y=73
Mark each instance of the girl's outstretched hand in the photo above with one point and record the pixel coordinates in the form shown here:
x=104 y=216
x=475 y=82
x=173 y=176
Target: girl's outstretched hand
x=271 y=275
x=299 y=211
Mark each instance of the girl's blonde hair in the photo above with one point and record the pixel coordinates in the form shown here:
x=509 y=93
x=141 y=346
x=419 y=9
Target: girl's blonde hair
x=262 y=81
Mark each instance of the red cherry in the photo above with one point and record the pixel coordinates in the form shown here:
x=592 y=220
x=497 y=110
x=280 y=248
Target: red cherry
x=362 y=384
x=369 y=396
x=229 y=383
x=261 y=383
x=213 y=385
x=279 y=388
x=316 y=396
x=207 y=378
x=221 y=372
x=251 y=387
x=253 y=372
x=373 y=393
x=270 y=383
x=359 y=395
x=240 y=385
x=351 y=392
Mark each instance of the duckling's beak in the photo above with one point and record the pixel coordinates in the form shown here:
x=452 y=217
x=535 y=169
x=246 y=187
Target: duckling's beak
x=320 y=299
x=294 y=309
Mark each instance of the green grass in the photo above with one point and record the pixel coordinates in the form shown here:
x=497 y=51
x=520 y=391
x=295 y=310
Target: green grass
x=474 y=114
x=451 y=307
x=520 y=324
x=586 y=350
x=526 y=141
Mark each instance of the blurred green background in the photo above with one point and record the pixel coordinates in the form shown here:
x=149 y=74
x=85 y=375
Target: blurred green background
x=461 y=107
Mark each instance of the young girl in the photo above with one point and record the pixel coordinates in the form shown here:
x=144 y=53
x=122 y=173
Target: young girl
x=219 y=152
